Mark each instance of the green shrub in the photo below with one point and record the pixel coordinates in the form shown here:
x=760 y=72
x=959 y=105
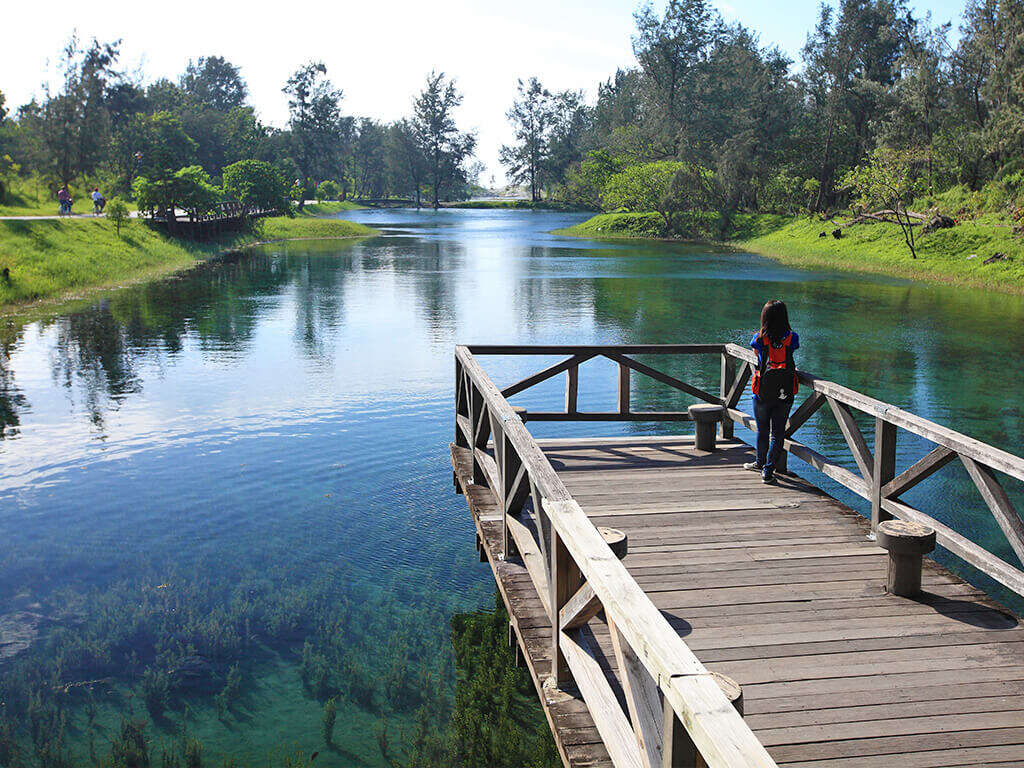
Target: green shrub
x=328 y=190
x=117 y=212
x=156 y=689
x=189 y=188
x=256 y=183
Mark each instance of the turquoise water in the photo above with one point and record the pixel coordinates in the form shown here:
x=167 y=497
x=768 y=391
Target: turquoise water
x=246 y=465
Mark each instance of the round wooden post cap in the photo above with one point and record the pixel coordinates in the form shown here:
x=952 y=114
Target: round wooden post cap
x=706 y=412
x=732 y=690
x=905 y=537
x=615 y=539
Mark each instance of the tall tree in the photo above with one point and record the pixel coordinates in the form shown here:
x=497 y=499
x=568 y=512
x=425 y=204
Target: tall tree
x=445 y=147
x=75 y=121
x=673 y=50
x=407 y=159
x=531 y=116
x=214 y=82
x=849 y=64
x=570 y=123
x=315 y=120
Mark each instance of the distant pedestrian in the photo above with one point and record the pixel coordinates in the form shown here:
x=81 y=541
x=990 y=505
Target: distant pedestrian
x=775 y=385
x=64 y=201
x=98 y=201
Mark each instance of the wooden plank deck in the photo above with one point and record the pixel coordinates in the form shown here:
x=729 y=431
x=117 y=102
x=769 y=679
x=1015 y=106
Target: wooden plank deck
x=779 y=588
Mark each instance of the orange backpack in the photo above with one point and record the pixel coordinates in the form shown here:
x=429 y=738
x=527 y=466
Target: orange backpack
x=775 y=379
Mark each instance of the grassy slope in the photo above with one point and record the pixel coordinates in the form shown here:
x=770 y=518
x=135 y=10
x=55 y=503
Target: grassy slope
x=27 y=197
x=328 y=207
x=53 y=258
x=879 y=248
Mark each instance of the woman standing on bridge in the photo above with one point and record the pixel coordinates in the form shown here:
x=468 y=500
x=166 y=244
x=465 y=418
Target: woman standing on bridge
x=774 y=386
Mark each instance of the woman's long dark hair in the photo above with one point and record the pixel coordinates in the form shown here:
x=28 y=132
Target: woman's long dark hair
x=775 y=321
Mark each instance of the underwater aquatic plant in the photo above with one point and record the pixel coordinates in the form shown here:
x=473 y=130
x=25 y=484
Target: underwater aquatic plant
x=330 y=717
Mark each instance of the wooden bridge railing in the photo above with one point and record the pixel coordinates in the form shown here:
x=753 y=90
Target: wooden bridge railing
x=876 y=479
x=677 y=715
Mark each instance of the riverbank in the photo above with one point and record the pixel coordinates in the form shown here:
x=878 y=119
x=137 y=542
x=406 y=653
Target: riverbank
x=329 y=207
x=954 y=256
x=516 y=205
x=54 y=260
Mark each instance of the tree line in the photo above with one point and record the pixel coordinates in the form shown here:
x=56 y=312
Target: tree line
x=710 y=119
x=177 y=141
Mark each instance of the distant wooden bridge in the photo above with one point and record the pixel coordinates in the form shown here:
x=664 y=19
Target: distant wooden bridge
x=674 y=611
x=225 y=217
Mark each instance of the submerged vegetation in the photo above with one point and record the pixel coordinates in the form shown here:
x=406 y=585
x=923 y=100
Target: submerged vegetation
x=496 y=720
x=182 y=636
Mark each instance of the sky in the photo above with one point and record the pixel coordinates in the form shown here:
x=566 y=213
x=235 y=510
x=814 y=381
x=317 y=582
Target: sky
x=379 y=52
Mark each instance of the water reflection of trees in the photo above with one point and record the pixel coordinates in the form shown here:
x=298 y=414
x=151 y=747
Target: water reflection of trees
x=12 y=399
x=97 y=351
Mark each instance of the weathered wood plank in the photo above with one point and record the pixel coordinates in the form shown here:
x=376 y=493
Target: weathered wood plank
x=611 y=723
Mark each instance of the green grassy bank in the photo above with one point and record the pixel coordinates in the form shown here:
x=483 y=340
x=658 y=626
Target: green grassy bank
x=955 y=256
x=328 y=207
x=58 y=259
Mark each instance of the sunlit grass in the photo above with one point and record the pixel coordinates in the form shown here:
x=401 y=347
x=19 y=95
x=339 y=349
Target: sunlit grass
x=53 y=258
x=955 y=255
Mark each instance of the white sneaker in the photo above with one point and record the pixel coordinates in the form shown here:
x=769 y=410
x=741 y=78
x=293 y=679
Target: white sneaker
x=753 y=466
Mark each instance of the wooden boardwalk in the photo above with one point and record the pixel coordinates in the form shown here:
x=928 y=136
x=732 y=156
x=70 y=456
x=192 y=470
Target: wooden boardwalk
x=780 y=588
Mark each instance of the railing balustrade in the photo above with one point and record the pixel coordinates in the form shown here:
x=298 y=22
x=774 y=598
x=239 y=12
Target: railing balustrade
x=676 y=714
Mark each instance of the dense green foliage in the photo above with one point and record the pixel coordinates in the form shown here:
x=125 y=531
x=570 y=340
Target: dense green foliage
x=258 y=183
x=107 y=127
x=883 y=112
x=188 y=188
x=328 y=190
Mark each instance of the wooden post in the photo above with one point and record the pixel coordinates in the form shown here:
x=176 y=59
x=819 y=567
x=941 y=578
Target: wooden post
x=623 y=388
x=728 y=379
x=513 y=493
x=480 y=427
x=617 y=541
x=907 y=543
x=460 y=410
x=884 y=468
x=513 y=644
x=572 y=388
x=563 y=581
x=706 y=417
x=678 y=749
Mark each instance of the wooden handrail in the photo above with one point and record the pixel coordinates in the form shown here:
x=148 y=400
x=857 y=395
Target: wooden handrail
x=962 y=444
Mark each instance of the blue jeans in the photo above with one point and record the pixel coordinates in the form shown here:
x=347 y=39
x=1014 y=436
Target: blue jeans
x=771 y=428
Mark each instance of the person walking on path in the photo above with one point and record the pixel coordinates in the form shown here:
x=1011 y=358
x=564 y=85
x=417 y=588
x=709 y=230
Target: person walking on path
x=775 y=385
x=64 y=201
x=98 y=201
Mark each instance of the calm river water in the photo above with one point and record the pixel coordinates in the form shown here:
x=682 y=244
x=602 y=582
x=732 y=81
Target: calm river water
x=245 y=467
